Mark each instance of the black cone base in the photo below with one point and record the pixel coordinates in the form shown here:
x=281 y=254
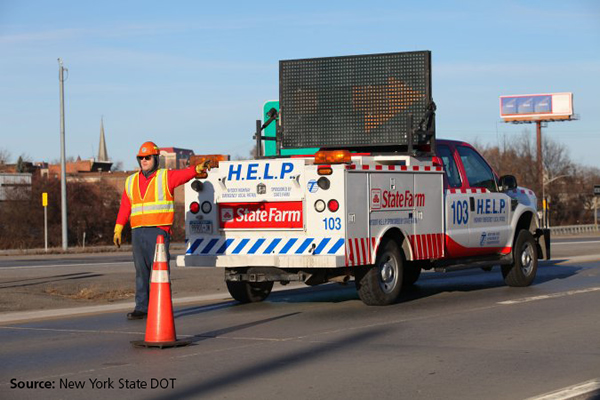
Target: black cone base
x=160 y=345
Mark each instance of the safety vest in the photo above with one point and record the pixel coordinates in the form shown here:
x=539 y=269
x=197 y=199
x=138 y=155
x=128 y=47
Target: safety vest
x=156 y=207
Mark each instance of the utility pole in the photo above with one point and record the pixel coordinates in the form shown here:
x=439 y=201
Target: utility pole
x=540 y=168
x=63 y=174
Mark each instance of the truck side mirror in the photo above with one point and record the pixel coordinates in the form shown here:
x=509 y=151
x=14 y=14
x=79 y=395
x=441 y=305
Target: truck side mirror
x=507 y=182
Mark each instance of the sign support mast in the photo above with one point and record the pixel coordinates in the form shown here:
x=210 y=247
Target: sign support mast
x=540 y=168
x=63 y=174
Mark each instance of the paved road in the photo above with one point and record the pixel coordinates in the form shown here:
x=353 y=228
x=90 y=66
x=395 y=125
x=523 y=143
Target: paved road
x=463 y=335
x=82 y=280
x=46 y=282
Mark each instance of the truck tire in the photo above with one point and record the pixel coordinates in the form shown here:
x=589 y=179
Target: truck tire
x=249 y=292
x=380 y=284
x=522 y=271
x=412 y=272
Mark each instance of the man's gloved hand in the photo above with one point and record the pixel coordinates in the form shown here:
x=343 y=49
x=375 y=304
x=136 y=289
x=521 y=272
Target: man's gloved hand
x=202 y=168
x=117 y=237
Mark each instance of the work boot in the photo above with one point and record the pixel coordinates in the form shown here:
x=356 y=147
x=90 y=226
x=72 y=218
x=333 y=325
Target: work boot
x=136 y=315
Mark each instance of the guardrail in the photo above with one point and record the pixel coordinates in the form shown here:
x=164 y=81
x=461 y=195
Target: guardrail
x=574 y=229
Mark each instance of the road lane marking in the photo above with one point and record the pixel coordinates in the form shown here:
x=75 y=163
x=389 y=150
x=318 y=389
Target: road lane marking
x=24 y=328
x=65 y=265
x=549 y=296
x=571 y=392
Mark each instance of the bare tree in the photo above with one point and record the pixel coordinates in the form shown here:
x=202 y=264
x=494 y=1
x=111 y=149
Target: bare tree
x=93 y=208
x=517 y=156
x=4 y=156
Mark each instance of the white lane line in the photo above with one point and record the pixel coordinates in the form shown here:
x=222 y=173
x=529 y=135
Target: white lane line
x=25 y=316
x=65 y=265
x=549 y=296
x=21 y=328
x=571 y=392
x=561 y=243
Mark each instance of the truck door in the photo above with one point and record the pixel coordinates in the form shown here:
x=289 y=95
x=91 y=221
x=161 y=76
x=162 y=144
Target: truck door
x=456 y=204
x=489 y=220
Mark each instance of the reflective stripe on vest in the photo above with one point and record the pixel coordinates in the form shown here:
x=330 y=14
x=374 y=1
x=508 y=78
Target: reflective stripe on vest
x=156 y=207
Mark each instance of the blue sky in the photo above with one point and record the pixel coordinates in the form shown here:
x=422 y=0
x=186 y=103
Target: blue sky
x=194 y=74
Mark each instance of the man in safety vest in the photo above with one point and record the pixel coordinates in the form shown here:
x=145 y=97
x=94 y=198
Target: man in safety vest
x=148 y=204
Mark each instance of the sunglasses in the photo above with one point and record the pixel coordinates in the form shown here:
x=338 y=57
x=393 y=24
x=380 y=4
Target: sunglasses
x=147 y=158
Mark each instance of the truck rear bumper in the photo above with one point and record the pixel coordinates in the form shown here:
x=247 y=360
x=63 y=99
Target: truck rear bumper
x=233 y=261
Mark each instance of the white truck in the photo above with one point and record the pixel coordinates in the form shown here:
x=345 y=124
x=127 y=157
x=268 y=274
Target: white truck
x=375 y=202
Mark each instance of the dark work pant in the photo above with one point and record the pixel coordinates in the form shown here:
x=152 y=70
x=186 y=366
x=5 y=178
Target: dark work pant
x=144 y=244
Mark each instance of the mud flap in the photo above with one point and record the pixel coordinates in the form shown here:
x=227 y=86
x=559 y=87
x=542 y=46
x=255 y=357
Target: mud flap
x=542 y=237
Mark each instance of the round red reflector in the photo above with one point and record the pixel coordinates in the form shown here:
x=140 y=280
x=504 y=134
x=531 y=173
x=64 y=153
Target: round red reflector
x=333 y=205
x=194 y=207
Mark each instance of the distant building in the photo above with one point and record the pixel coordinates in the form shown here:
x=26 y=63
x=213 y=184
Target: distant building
x=11 y=182
x=78 y=167
x=97 y=169
x=102 y=152
x=174 y=158
x=99 y=164
x=26 y=165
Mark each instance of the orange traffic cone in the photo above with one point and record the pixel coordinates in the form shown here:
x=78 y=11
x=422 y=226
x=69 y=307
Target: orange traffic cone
x=160 y=325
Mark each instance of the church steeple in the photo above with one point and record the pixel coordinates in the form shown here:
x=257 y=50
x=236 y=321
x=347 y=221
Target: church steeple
x=102 y=153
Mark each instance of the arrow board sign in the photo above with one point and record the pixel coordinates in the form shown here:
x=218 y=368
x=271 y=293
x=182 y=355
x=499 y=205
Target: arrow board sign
x=353 y=101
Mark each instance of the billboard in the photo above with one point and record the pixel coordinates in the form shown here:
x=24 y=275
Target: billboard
x=536 y=107
x=352 y=101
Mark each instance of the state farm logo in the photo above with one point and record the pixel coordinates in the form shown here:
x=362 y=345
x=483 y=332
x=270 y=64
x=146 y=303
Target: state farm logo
x=402 y=199
x=279 y=215
x=226 y=214
x=267 y=215
x=375 y=199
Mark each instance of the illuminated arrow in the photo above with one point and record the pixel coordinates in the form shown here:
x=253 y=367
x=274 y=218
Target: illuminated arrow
x=380 y=103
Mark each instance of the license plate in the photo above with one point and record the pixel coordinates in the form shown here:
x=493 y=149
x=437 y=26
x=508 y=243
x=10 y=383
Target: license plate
x=199 y=227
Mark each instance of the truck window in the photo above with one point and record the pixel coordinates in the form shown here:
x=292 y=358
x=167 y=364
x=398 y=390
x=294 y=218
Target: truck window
x=450 y=168
x=479 y=173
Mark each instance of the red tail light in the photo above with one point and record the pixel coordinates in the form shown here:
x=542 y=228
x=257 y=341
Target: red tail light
x=194 y=207
x=333 y=205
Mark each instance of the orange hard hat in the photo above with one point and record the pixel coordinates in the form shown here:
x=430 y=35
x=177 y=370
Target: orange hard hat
x=148 y=149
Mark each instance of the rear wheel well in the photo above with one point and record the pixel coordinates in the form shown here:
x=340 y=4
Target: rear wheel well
x=396 y=235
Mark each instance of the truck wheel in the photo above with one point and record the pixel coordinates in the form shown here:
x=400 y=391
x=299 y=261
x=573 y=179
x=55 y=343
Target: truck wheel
x=249 y=292
x=412 y=272
x=380 y=284
x=522 y=271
